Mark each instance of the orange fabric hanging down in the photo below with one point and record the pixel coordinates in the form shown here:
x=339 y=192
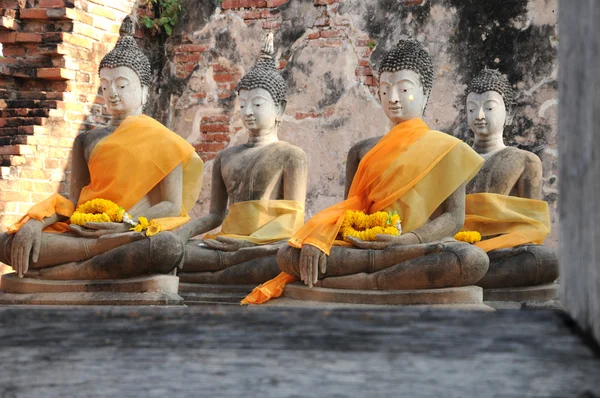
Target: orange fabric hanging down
x=517 y=220
x=125 y=166
x=412 y=170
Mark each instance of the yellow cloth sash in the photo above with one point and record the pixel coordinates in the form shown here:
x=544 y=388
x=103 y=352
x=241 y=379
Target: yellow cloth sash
x=517 y=220
x=412 y=170
x=125 y=166
x=262 y=221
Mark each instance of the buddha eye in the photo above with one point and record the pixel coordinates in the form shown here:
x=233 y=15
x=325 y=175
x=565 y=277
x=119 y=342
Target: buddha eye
x=405 y=90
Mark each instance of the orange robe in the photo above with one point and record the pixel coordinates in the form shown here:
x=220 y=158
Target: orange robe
x=518 y=221
x=411 y=170
x=124 y=167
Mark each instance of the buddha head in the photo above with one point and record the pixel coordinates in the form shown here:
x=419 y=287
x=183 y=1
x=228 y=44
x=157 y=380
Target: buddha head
x=261 y=93
x=405 y=81
x=489 y=101
x=125 y=75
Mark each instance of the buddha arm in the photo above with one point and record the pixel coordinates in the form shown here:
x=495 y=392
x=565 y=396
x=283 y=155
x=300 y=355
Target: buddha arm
x=352 y=162
x=218 y=205
x=446 y=224
x=295 y=174
x=171 y=192
x=530 y=182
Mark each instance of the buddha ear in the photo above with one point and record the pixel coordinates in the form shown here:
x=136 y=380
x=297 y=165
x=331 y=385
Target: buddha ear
x=510 y=115
x=281 y=108
x=145 y=91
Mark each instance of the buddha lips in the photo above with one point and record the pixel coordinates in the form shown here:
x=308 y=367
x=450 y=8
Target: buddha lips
x=368 y=226
x=103 y=210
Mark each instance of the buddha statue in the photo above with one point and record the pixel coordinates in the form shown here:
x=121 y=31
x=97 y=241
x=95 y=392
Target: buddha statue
x=417 y=172
x=136 y=163
x=261 y=183
x=503 y=201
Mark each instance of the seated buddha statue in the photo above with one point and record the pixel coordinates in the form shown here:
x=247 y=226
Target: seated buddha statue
x=503 y=201
x=261 y=183
x=417 y=172
x=135 y=162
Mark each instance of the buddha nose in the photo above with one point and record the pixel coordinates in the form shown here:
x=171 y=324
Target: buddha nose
x=480 y=115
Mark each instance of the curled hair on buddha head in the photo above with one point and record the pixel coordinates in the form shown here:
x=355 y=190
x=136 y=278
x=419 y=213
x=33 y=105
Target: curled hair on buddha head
x=264 y=74
x=127 y=53
x=493 y=80
x=409 y=54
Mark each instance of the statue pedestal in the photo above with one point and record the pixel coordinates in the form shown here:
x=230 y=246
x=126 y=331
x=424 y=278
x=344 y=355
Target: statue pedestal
x=519 y=297
x=297 y=294
x=200 y=294
x=149 y=290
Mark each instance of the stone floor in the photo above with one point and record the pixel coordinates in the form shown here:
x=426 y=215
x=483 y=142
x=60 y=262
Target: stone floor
x=225 y=351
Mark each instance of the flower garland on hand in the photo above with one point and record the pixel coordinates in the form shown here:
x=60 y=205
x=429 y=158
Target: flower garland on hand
x=368 y=226
x=104 y=210
x=468 y=236
x=97 y=210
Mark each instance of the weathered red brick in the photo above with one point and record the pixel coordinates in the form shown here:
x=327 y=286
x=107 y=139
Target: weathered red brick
x=214 y=128
x=183 y=58
x=251 y=14
x=326 y=34
x=275 y=3
x=7 y=37
x=225 y=77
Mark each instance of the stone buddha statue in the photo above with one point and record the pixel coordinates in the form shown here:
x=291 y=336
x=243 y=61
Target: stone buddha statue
x=136 y=163
x=262 y=184
x=504 y=199
x=417 y=172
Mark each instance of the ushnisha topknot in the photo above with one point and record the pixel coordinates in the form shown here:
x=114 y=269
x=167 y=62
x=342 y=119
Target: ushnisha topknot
x=264 y=74
x=493 y=80
x=409 y=54
x=127 y=53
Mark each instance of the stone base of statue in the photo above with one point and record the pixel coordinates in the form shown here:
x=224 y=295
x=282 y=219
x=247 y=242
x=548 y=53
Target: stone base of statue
x=540 y=296
x=297 y=294
x=202 y=294
x=149 y=290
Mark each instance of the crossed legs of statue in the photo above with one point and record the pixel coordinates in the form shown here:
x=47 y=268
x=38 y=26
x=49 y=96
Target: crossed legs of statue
x=250 y=265
x=526 y=265
x=68 y=257
x=422 y=266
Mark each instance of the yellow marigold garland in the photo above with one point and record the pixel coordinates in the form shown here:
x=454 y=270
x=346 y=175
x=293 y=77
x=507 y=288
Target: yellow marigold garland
x=368 y=226
x=104 y=210
x=468 y=236
x=97 y=210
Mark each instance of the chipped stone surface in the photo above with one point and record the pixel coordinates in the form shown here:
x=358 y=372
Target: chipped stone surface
x=328 y=55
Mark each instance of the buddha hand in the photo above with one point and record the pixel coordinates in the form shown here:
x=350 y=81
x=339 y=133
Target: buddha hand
x=26 y=245
x=97 y=229
x=227 y=244
x=383 y=241
x=312 y=260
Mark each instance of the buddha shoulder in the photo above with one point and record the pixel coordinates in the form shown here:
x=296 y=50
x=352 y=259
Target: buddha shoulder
x=360 y=149
x=520 y=156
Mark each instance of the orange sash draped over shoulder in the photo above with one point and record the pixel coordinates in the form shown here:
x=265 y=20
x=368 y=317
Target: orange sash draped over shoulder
x=125 y=166
x=412 y=170
x=518 y=221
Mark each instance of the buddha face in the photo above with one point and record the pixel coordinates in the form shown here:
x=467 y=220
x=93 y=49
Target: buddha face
x=258 y=110
x=122 y=91
x=401 y=95
x=486 y=113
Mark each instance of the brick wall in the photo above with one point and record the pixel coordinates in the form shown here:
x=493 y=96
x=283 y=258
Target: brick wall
x=48 y=91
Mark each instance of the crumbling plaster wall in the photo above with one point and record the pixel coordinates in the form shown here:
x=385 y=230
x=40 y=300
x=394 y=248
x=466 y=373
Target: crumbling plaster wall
x=327 y=52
